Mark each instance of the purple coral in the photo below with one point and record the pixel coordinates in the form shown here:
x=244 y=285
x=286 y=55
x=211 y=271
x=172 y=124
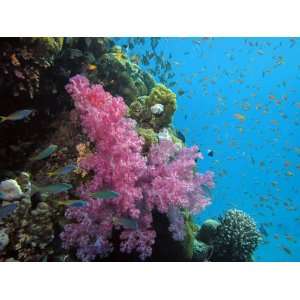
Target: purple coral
x=165 y=181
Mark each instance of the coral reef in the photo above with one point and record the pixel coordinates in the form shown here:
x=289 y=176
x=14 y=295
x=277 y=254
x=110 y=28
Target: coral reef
x=237 y=237
x=33 y=73
x=167 y=183
x=133 y=151
x=142 y=109
x=34 y=227
x=22 y=60
x=29 y=230
x=123 y=77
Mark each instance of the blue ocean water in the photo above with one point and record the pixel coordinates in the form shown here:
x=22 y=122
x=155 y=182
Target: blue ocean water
x=240 y=97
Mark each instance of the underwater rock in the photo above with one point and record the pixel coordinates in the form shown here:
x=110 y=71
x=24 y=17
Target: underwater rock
x=237 y=237
x=165 y=247
x=4 y=239
x=201 y=251
x=208 y=231
x=10 y=190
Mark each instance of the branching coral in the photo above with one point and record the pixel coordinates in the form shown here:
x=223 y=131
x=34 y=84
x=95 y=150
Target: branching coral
x=236 y=238
x=165 y=182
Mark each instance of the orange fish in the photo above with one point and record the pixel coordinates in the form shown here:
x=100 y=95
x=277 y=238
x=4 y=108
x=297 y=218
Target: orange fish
x=14 y=60
x=240 y=117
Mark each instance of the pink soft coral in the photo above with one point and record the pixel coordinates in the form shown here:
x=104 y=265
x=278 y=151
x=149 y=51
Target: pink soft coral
x=167 y=181
x=174 y=184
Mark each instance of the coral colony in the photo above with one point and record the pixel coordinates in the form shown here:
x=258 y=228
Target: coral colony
x=165 y=180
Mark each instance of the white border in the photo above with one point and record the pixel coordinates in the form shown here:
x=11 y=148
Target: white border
x=150 y=18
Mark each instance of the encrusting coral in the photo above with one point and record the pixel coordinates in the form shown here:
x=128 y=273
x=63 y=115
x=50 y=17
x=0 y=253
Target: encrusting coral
x=164 y=181
x=142 y=109
x=123 y=77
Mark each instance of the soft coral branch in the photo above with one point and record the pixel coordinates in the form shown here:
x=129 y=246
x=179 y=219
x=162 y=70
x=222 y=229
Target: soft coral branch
x=165 y=181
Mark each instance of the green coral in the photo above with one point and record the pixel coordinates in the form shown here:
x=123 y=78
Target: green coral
x=189 y=237
x=237 y=237
x=140 y=109
x=50 y=45
x=123 y=77
x=149 y=136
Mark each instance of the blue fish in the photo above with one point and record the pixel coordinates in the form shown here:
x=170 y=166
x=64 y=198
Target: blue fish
x=75 y=203
x=105 y=194
x=210 y=153
x=53 y=188
x=63 y=171
x=263 y=230
x=18 y=115
x=45 y=153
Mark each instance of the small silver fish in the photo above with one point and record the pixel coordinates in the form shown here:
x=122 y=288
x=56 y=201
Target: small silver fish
x=18 y=115
x=45 y=153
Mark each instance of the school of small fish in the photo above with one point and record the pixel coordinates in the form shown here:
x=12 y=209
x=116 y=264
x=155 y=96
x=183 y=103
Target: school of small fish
x=248 y=125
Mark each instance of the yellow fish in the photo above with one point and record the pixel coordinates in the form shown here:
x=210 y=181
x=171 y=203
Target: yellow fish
x=240 y=117
x=91 y=67
x=289 y=173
